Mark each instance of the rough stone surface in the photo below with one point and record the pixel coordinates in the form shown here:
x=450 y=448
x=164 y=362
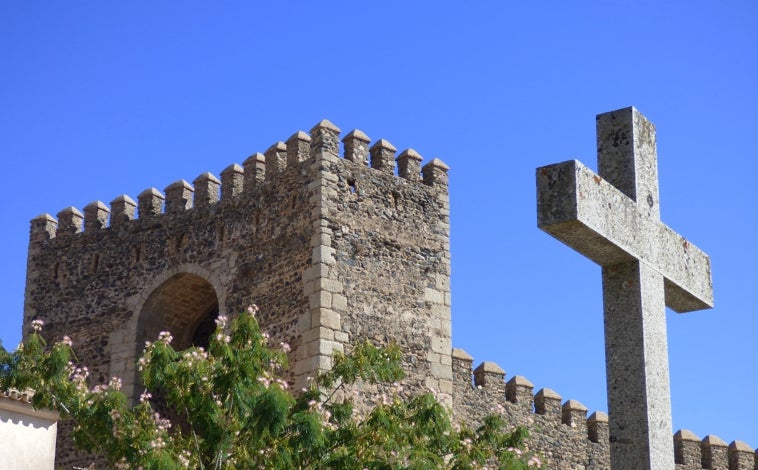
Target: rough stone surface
x=687 y=453
x=331 y=250
x=613 y=219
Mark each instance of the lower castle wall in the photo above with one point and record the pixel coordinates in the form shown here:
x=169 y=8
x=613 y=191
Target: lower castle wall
x=561 y=433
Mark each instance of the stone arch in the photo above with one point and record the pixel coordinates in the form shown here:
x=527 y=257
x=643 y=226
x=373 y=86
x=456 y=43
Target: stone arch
x=186 y=305
x=195 y=292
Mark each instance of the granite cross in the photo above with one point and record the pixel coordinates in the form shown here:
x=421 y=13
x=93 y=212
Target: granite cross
x=614 y=219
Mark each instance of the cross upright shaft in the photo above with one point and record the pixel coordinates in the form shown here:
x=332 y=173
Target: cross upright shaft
x=614 y=219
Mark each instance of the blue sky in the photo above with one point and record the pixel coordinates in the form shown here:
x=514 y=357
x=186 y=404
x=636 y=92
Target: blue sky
x=100 y=99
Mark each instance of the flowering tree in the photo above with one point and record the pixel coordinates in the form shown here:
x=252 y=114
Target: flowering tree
x=229 y=407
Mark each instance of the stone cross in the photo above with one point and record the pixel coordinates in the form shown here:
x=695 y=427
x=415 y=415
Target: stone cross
x=614 y=219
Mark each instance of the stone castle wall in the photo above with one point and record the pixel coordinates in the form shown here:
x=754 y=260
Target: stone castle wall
x=331 y=244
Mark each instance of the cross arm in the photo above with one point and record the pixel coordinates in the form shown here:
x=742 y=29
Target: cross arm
x=584 y=211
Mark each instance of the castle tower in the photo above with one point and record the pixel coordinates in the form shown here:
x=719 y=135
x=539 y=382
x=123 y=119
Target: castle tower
x=334 y=250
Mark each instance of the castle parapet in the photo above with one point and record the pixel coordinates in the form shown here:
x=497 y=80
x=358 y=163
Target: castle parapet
x=43 y=227
x=69 y=221
x=326 y=139
x=356 y=147
x=741 y=456
x=409 y=165
x=712 y=453
x=254 y=170
x=383 y=156
x=276 y=159
x=206 y=190
x=490 y=377
x=435 y=173
x=298 y=148
x=123 y=209
x=323 y=144
x=715 y=452
x=520 y=391
x=150 y=203
x=597 y=427
x=548 y=402
x=574 y=414
x=178 y=196
x=232 y=182
x=95 y=216
x=687 y=449
x=556 y=429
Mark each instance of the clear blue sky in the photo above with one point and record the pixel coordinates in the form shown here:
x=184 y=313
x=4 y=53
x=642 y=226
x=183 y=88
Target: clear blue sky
x=104 y=98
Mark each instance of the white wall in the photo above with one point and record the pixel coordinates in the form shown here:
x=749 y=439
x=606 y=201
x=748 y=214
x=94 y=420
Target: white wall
x=27 y=436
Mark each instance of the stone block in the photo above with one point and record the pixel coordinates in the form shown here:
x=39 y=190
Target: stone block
x=687 y=449
x=489 y=375
x=339 y=302
x=150 y=203
x=547 y=402
x=435 y=173
x=434 y=296
x=323 y=254
x=574 y=414
x=43 y=227
x=520 y=391
x=320 y=299
x=123 y=209
x=356 y=147
x=715 y=452
x=298 y=148
x=232 y=182
x=179 y=196
x=383 y=156
x=409 y=165
x=318 y=333
x=69 y=221
x=741 y=456
x=325 y=317
x=276 y=159
x=206 y=190
x=95 y=216
x=254 y=171
x=597 y=427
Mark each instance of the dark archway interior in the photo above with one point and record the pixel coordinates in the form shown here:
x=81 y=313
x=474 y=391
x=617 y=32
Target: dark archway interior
x=186 y=305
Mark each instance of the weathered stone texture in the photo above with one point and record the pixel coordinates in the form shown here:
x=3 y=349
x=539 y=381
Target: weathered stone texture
x=331 y=250
x=614 y=219
x=558 y=433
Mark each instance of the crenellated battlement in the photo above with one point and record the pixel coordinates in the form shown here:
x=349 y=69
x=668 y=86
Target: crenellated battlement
x=554 y=424
x=560 y=430
x=237 y=180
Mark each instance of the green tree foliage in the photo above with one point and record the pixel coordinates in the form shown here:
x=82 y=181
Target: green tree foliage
x=230 y=408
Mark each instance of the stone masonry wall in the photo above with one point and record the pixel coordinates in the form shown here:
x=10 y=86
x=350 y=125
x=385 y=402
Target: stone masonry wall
x=112 y=287
x=561 y=432
x=274 y=231
x=392 y=262
x=334 y=246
